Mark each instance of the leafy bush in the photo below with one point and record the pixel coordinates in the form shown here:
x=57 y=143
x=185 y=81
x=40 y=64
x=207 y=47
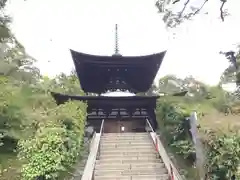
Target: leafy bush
x=223 y=155
x=11 y=117
x=222 y=150
x=56 y=144
x=176 y=129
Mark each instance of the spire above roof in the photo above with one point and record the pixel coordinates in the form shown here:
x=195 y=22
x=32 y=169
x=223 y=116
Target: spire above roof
x=116 y=42
x=110 y=73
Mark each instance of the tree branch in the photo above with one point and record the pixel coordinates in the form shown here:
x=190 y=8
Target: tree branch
x=174 y=2
x=199 y=9
x=173 y=19
x=184 y=7
x=221 y=9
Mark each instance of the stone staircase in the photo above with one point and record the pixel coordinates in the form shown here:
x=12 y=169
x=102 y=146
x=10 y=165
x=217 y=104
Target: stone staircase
x=128 y=156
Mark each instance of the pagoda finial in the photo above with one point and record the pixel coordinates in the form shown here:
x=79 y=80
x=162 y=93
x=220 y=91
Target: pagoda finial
x=116 y=41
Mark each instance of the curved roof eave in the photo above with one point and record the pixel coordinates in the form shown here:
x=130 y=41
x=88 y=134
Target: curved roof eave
x=145 y=67
x=85 y=56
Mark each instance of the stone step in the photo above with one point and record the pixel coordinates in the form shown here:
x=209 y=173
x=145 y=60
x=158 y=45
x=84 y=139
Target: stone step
x=112 y=159
x=128 y=156
x=126 y=134
x=126 y=150
x=120 y=155
x=127 y=143
x=130 y=172
x=123 y=158
x=128 y=153
x=130 y=165
x=125 y=137
x=137 y=177
x=114 y=141
x=128 y=161
x=126 y=140
x=129 y=146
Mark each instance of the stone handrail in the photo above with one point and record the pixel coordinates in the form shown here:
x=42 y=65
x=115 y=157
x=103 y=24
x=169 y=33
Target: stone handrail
x=172 y=170
x=101 y=133
x=92 y=142
x=94 y=149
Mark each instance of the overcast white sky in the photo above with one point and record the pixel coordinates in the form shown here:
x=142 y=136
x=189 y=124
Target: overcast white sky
x=88 y=26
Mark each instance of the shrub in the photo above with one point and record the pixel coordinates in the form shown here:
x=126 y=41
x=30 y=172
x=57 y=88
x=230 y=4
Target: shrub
x=56 y=144
x=12 y=118
x=222 y=150
x=223 y=155
x=176 y=129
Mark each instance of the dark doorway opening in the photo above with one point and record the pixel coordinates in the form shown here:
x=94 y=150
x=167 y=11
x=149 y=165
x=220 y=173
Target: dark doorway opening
x=124 y=125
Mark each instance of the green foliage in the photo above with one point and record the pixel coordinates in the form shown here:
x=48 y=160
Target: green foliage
x=16 y=64
x=222 y=150
x=174 y=126
x=62 y=84
x=11 y=116
x=5 y=33
x=11 y=123
x=223 y=155
x=56 y=144
x=49 y=137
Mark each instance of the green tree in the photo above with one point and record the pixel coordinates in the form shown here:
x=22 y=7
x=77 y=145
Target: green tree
x=56 y=144
x=68 y=84
x=18 y=65
x=232 y=75
x=170 y=84
x=29 y=115
x=231 y=72
x=5 y=34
